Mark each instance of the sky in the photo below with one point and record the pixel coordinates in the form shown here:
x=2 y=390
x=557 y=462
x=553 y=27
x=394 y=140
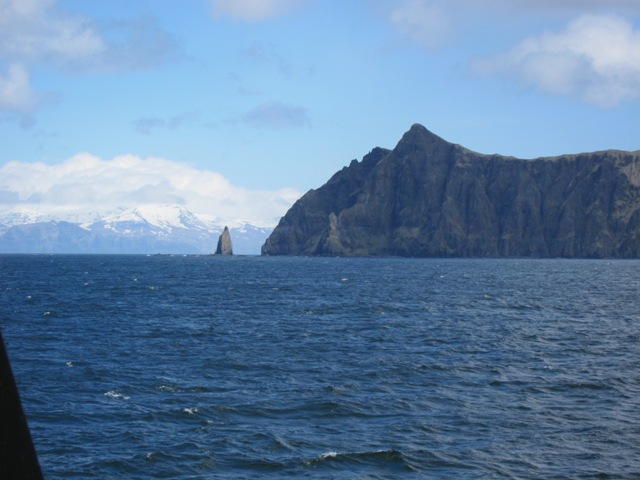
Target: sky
x=237 y=107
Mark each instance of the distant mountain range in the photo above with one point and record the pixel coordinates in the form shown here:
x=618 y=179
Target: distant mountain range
x=144 y=229
x=431 y=198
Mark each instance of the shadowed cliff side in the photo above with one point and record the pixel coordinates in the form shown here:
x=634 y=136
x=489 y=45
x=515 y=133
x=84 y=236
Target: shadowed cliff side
x=431 y=198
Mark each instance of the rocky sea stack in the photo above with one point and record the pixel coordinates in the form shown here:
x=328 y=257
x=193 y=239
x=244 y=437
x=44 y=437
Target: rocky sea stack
x=225 y=247
x=431 y=198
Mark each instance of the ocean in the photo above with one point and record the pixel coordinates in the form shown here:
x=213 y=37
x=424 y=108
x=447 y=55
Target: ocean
x=204 y=367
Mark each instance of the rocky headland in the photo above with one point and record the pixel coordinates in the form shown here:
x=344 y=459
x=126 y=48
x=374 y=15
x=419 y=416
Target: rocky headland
x=431 y=198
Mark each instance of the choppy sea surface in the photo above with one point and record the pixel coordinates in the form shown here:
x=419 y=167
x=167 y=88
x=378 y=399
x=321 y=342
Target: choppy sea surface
x=199 y=367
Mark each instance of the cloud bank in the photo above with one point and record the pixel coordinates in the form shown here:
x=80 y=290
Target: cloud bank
x=596 y=58
x=85 y=183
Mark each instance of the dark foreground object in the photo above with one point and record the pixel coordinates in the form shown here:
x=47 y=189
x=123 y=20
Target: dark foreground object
x=18 y=459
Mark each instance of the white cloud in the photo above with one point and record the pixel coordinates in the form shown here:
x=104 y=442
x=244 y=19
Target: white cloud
x=435 y=23
x=277 y=115
x=575 y=6
x=85 y=183
x=38 y=32
x=18 y=99
x=425 y=22
x=16 y=94
x=254 y=10
x=597 y=58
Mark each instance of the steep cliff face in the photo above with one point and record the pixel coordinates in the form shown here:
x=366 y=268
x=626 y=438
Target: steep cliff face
x=431 y=198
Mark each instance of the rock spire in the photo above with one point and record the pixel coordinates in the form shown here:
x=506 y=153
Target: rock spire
x=225 y=247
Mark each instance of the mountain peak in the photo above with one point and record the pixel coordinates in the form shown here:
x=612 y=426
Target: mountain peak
x=417 y=127
x=419 y=138
x=418 y=131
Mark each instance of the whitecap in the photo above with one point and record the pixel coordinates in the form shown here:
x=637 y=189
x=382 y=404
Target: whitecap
x=115 y=394
x=166 y=388
x=190 y=411
x=329 y=455
x=383 y=456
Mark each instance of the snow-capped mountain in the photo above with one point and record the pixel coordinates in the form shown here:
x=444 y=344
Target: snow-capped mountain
x=143 y=229
x=160 y=220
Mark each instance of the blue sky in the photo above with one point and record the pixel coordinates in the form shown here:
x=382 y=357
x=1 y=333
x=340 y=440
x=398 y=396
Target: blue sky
x=268 y=98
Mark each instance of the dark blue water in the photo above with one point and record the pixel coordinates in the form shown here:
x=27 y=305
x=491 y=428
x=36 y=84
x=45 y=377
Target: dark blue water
x=250 y=367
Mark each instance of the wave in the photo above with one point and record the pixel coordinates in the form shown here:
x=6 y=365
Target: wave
x=116 y=394
x=389 y=461
x=390 y=458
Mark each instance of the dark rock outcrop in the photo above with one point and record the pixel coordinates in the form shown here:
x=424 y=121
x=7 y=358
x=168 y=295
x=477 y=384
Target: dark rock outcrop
x=430 y=198
x=225 y=247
